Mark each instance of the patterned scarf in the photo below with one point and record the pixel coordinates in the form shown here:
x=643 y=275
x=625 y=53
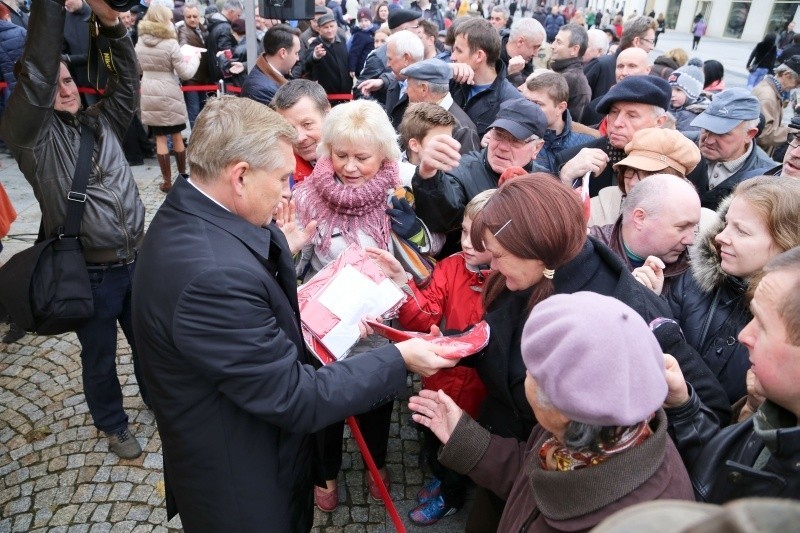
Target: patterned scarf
x=348 y=210
x=555 y=456
x=784 y=95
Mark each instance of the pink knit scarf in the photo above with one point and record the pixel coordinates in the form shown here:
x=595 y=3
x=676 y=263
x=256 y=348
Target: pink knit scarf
x=348 y=210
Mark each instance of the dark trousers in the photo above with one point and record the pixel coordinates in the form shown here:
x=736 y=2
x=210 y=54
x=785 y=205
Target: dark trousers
x=454 y=485
x=195 y=102
x=111 y=289
x=374 y=427
x=484 y=515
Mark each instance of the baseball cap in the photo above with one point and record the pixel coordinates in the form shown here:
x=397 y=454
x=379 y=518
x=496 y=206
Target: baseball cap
x=727 y=110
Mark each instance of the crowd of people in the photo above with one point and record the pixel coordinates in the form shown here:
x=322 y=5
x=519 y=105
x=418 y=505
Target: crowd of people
x=629 y=229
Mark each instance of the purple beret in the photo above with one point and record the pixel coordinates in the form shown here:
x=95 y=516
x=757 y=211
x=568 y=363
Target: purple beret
x=595 y=359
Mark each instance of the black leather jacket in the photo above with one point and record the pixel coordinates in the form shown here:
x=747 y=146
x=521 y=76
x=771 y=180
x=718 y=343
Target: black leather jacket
x=45 y=142
x=722 y=463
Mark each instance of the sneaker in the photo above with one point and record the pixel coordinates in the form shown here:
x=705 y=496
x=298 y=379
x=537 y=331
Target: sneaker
x=429 y=492
x=426 y=514
x=324 y=500
x=124 y=444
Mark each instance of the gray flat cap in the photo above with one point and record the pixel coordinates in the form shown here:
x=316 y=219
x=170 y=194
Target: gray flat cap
x=431 y=70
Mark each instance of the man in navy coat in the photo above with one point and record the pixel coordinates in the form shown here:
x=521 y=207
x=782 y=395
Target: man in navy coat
x=217 y=323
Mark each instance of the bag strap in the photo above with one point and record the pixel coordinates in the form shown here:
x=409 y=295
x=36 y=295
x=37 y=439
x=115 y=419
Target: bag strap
x=76 y=197
x=711 y=311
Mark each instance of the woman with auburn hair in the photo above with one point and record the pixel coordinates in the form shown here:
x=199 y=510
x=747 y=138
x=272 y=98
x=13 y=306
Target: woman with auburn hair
x=757 y=222
x=535 y=230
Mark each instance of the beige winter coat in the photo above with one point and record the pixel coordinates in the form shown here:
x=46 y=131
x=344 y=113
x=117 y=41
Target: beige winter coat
x=774 y=134
x=160 y=59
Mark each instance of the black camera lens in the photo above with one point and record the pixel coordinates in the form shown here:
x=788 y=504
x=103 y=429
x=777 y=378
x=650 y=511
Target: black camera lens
x=122 y=5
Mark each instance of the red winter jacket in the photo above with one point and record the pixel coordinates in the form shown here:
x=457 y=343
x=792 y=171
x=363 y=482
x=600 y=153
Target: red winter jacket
x=453 y=294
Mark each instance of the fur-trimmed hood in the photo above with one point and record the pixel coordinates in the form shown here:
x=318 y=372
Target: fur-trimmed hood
x=160 y=31
x=706 y=264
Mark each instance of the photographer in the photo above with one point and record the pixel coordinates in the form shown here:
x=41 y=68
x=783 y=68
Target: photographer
x=42 y=128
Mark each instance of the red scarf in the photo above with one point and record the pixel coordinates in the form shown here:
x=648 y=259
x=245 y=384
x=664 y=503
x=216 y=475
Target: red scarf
x=349 y=210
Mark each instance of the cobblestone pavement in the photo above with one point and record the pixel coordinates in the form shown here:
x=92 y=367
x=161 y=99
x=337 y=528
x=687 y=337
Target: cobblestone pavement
x=57 y=473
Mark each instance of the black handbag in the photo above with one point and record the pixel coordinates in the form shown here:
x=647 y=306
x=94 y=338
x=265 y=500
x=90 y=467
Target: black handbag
x=46 y=288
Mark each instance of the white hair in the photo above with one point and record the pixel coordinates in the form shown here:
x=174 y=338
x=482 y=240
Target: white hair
x=407 y=42
x=527 y=28
x=598 y=40
x=359 y=123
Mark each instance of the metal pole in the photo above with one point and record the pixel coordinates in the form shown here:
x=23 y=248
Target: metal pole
x=250 y=28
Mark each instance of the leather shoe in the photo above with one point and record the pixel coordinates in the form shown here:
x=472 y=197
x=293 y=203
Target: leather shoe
x=324 y=500
x=374 y=492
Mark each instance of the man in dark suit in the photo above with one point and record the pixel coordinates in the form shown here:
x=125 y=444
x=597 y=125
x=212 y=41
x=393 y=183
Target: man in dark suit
x=216 y=319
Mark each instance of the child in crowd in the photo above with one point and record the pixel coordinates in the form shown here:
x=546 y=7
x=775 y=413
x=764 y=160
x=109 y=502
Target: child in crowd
x=687 y=102
x=421 y=122
x=451 y=300
x=361 y=43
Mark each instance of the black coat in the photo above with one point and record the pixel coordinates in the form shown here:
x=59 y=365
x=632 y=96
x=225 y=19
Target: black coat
x=711 y=308
x=220 y=38
x=395 y=105
x=330 y=70
x=722 y=462
x=506 y=411
x=483 y=107
x=465 y=131
x=519 y=78
x=756 y=164
x=216 y=324
x=601 y=73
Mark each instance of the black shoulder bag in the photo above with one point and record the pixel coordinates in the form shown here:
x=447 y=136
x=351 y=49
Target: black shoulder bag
x=46 y=288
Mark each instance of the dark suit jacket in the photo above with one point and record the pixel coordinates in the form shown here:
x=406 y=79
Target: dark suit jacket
x=395 y=105
x=217 y=331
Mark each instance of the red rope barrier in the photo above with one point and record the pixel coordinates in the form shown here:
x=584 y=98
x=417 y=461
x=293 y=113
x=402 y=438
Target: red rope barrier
x=232 y=89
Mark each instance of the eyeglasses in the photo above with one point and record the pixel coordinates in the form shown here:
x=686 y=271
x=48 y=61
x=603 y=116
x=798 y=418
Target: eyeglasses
x=510 y=140
x=651 y=41
x=794 y=141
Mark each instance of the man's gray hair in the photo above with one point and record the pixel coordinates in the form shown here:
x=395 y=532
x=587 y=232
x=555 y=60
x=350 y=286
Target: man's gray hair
x=407 y=42
x=233 y=4
x=527 y=28
x=502 y=9
x=434 y=88
x=232 y=130
x=293 y=91
x=598 y=39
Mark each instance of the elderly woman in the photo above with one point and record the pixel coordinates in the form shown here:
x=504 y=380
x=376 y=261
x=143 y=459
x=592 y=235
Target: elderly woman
x=163 y=106
x=651 y=151
x=535 y=230
x=347 y=194
x=594 y=378
x=758 y=221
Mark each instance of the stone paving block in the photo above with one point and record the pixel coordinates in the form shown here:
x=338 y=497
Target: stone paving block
x=5 y=524
x=68 y=478
x=103 y=474
x=79 y=528
x=158 y=516
x=64 y=515
x=17 y=506
x=101 y=512
x=119 y=511
x=84 y=512
x=76 y=460
x=121 y=491
x=100 y=528
x=139 y=513
x=42 y=517
x=21 y=522
x=153 y=461
x=101 y=492
x=47 y=482
x=83 y=493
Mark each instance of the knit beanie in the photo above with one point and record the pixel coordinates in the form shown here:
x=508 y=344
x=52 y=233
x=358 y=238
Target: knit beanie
x=595 y=359
x=689 y=79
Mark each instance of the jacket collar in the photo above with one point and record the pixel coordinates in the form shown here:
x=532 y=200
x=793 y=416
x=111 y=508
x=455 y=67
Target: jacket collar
x=560 y=65
x=563 y=495
x=680 y=266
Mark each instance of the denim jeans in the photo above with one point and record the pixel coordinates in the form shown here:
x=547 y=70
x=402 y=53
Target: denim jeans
x=756 y=76
x=111 y=289
x=195 y=101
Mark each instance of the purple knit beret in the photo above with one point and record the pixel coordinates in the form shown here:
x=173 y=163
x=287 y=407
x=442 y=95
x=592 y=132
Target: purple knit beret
x=595 y=359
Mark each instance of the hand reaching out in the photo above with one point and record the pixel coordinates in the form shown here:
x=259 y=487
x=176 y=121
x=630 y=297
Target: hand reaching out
x=285 y=217
x=389 y=264
x=437 y=411
x=651 y=274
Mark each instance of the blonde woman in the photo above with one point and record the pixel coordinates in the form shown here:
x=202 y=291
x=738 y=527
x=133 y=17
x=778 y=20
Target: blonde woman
x=163 y=106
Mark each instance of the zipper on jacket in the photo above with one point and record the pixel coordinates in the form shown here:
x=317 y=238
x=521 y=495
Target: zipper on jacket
x=120 y=209
x=526 y=526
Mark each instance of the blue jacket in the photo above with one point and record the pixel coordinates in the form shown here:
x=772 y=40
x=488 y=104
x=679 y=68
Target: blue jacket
x=260 y=85
x=552 y=24
x=361 y=44
x=553 y=144
x=482 y=108
x=12 y=41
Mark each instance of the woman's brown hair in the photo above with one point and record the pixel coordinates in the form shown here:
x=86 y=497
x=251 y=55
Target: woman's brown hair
x=541 y=219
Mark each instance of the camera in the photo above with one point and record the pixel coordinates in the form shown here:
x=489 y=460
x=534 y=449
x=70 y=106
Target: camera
x=122 y=5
